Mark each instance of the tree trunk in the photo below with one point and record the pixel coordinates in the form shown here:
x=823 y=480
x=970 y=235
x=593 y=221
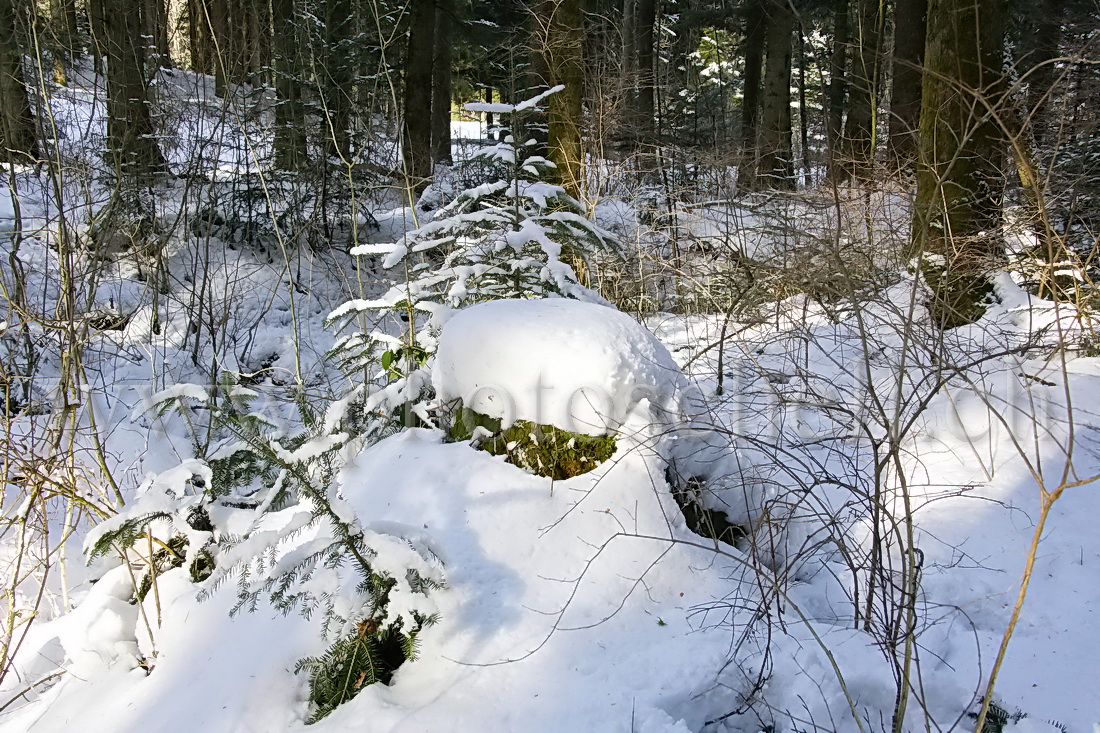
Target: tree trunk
x=64 y=25
x=17 y=137
x=775 y=167
x=199 y=42
x=909 y=24
x=441 y=84
x=628 y=75
x=858 y=148
x=259 y=33
x=1039 y=69
x=416 y=138
x=957 y=211
x=98 y=33
x=756 y=25
x=563 y=53
x=290 y=136
x=489 y=115
x=644 y=122
x=156 y=31
x=339 y=77
x=838 y=84
x=803 y=116
x=218 y=14
x=130 y=131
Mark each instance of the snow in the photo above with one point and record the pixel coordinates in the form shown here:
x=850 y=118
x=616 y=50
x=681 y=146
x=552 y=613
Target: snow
x=583 y=604
x=579 y=366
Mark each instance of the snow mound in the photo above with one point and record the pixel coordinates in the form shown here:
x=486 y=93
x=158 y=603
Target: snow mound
x=578 y=366
x=574 y=605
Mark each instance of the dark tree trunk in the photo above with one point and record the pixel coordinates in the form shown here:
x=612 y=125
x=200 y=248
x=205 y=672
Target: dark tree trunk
x=775 y=168
x=644 y=122
x=441 y=84
x=98 y=33
x=259 y=30
x=803 y=116
x=858 y=149
x=957 y=211
x=1037 y=63
x=680 y=69
x=416 y=138
x=909 y=24
x=838 y=84
x=756 y=25
x=290 y=137
x=17 y=137
x=339 y=77
x=629 y=61
x=221 y=35
x=156 y=31
x=489 y=115
x=64 y=25
x=198 y=28
x=131 y=135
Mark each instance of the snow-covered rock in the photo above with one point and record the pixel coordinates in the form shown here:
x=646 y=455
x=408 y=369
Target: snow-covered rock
x=578 y=366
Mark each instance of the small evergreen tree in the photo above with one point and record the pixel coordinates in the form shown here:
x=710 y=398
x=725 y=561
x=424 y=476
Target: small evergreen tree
x=510 y=235
x=252 y=472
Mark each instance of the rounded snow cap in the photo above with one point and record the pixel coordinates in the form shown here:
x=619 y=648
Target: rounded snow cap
x=578 y=366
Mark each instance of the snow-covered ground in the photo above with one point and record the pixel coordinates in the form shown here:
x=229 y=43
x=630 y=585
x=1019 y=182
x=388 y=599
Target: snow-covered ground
x=887 y=478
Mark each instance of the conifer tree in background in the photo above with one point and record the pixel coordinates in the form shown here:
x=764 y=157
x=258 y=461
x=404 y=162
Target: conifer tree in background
x=838 y=86
x=131 y=134
x=775 y=166
x=909 y=23
x=337 y=86
x=17 y=137
x=290 y=135
x=416 y=125
x=960 y=177
x=645 y=106
x=442 y=63
x=560 y=43
x=755 y=23
x=858 y=148
x=1040 y=37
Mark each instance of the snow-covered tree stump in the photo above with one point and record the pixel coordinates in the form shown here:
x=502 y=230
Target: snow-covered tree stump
x=551 y=383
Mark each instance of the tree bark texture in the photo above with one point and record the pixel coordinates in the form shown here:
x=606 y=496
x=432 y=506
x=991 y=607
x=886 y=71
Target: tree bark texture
x=1046 y=18
x=858 y=148
x=290 y=136
x=838 y=82
x=339 y=77
x=131 y=134
x=644 y=117
x=156 y=30
x=755 y=27
x=416 y=138
x=17 y=135
x=775 y=168
x=441 y=84
x=910 y=17
x=957 y=212
x=563 y=45
x=199 y=40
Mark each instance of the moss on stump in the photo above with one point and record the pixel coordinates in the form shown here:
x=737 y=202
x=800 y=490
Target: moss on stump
x=542 y=449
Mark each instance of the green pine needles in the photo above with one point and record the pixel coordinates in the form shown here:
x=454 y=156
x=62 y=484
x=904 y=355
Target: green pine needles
x=279 y=486
x=513 y=235
x=371 y=653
